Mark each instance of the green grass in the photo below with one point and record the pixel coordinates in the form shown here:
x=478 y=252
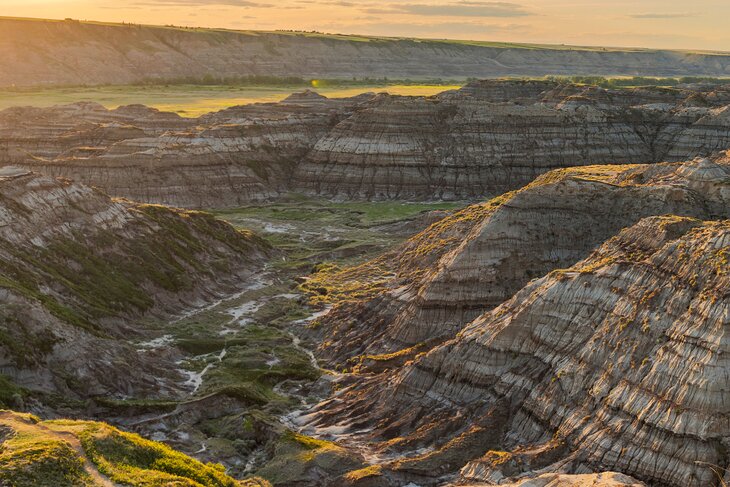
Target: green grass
x=196 y=100
x=132 y=460
x=35 y=458
x=312 y=231
x=295 y=455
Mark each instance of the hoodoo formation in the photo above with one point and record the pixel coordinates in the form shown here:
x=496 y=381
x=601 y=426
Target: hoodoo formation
x=513 y=282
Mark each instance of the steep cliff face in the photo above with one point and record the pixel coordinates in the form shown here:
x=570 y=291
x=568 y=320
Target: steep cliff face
x=39 y=52
x=493 y=137
x=80 y=273
x=441 y=279
x=224 y=159
x=616 y=363
x=480 y=141
x=84 y=127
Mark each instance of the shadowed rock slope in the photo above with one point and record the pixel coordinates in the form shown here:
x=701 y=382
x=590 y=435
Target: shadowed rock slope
x=46 y=52
x=80 y=274
x=223 y=159
x=480 y=141
x=616 y=363
x=426 y=290
x=491 y=137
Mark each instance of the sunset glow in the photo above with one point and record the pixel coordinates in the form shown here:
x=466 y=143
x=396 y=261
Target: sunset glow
x=646 y=23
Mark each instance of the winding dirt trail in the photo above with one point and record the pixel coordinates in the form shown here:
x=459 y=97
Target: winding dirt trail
x=20 y=425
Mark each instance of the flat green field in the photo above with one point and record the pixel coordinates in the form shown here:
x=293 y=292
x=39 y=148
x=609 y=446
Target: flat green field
x=193 y=100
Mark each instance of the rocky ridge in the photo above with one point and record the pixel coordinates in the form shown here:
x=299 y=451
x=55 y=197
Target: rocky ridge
x=81 y=274
x=223 y=159
x=426 y=290
x=480 y=141
x=615 y=363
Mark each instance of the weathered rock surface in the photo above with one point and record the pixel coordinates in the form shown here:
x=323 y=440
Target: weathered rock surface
x=491 y=137
x=617 y=363
x=585 y=480
x=45 y=52
x=80 y=274
x=434 y=284
x=482 y=140
x=223 y=159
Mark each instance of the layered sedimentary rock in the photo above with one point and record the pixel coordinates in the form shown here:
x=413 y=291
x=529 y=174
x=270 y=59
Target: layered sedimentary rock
x=84 y=127
x=45 y=52
x=224 y=159
x=491 y=137
x=80 y=273
x=482 y=140
x=469 y=263
x=617 y=363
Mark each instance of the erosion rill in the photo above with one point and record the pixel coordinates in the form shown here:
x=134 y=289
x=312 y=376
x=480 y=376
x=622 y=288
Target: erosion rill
x=615 y=363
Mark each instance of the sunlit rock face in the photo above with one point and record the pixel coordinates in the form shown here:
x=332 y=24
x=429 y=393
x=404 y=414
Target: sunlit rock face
x=475 y=260
x=480 y=141
x=81 y=273
x=491 y=137
x=616 y=363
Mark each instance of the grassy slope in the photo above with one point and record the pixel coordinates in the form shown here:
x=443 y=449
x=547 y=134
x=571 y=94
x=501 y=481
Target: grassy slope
x=83 y=453
x=373 y=39
x=194 y=100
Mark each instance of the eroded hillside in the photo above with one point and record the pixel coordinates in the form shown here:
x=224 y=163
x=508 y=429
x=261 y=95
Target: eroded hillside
x=78 y=273
x=427 y=289
x=615 y=363
x=481 y=141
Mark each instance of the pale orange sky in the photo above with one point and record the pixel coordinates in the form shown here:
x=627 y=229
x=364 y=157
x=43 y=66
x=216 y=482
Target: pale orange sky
x=700 y=24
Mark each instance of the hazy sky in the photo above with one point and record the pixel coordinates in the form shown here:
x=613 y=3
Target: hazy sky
x=698 y=24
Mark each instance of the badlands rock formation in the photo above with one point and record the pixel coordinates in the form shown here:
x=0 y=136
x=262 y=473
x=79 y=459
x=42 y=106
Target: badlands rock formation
x=617 y=363
x=224 y=159
x=471 y=262
x=45 y=52
x=491 y=137
x=482 y=140
x=79 y=272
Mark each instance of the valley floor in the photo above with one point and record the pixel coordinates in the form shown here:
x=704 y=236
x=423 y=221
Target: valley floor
x=195 y=100
x=244 y=366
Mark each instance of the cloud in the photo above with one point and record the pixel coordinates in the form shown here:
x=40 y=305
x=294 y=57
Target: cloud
x=203 y=3
x=662 y=15
x=462 y=9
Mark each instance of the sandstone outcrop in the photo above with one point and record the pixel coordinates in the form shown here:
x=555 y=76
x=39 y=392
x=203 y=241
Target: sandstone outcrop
x=429 y=288
x=81 y=273
x=47 y=52
x=617 y=363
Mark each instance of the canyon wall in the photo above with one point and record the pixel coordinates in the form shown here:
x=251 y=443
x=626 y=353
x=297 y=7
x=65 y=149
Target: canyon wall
x=81 y=275
x=615 y=363
x=480 y=141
